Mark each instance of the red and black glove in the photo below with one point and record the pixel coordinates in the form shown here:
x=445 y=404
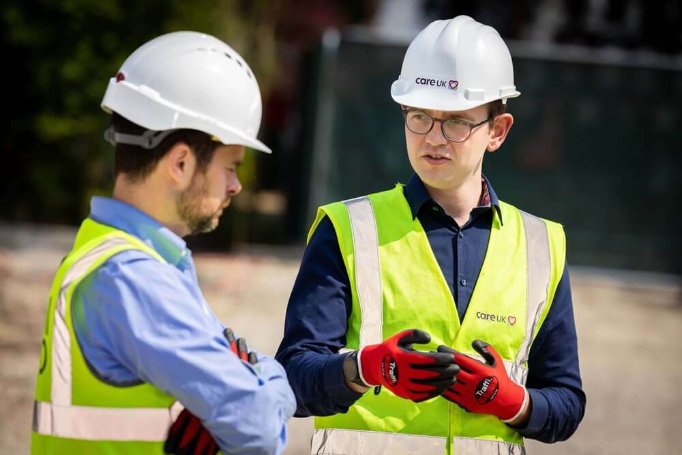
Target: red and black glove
x=187 y=436
x=485 y=388
x=410 y=374
x=238 y=346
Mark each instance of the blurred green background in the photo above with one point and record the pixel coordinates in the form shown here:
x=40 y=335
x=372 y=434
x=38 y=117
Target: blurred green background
x=595 y=145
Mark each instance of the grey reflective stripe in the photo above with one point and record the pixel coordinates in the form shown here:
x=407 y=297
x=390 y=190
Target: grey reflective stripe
x=61 y=339
x=367 y=270
x=60 y=418
x=103 y=424
x=470 y=446
x=517 y=372
x=359 y=442
x=539 y=264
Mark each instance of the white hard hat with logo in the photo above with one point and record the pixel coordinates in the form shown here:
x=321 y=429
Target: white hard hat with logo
x=455 y=65
x=187 y=80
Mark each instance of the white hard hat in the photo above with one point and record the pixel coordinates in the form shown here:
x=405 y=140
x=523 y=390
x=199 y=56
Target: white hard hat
x=188 y=80
x=455 y=65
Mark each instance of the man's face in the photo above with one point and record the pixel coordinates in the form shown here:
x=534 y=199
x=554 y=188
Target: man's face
x=201 y=204
x=443 y=164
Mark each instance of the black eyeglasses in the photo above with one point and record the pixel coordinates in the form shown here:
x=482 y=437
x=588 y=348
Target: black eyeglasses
x=454 y=129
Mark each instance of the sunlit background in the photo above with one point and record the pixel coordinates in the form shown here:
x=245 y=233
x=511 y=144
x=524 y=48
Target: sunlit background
x=596 y=145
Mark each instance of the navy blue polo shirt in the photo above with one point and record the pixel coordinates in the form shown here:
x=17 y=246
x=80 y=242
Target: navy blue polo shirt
x=320 y=305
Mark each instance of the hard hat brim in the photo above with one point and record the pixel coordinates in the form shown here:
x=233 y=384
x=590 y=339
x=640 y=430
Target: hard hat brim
x=439 y=101
x=161 y=115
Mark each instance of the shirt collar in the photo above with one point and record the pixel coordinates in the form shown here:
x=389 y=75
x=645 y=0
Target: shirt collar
x=127 y=218
x=494 y=201
x=416 y=196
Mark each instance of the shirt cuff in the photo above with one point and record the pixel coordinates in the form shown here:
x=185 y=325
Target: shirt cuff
x=334 y=384
x=538 y=414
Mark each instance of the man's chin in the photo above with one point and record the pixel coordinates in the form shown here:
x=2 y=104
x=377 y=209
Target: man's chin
x=206 y=227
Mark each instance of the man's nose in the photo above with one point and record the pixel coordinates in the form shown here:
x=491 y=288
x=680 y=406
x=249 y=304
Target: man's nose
x=234 y=187
x=435 y=135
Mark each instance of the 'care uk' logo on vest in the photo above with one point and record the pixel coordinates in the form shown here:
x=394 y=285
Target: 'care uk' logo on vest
x=511 y=320
x=436 y=82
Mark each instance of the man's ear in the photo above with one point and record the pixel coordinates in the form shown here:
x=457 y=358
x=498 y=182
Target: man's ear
x=180 y=164
x=498 y=133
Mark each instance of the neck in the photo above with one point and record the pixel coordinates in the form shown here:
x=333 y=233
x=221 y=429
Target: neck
x=151 y=199
x=458 y=201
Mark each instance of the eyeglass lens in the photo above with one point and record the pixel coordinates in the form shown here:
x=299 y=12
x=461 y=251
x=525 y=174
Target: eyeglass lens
x=453 y=129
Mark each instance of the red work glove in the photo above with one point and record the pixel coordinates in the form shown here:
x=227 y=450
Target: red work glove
x=187 y=436
x=410 y=374
x=485 y=388
x=238 y=346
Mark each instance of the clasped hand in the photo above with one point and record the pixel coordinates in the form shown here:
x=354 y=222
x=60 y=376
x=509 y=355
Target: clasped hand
x=408 y=373
x=187 y=435
x=479 y=387
x=485 y=387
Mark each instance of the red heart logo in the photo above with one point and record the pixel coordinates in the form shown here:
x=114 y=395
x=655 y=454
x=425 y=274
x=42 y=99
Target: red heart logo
x=453 y=84
x=511 y=319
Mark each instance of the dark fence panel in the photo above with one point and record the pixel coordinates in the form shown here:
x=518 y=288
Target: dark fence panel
x=596 y=144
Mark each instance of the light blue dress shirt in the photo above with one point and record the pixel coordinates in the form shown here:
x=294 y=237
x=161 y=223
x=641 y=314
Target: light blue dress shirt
x=138 y=320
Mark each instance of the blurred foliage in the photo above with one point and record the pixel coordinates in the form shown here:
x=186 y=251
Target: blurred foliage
x=62 y=55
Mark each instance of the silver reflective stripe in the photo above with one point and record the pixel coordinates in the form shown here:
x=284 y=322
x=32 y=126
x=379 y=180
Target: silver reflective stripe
x=539 y=265
x=103 y=424
x=61 y=339
x=512 y=369
x=470 y=446
x=367 y=271
x=336 y=441
x=60 y=418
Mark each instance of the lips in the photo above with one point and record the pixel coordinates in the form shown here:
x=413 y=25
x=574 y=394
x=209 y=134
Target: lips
x=436 y=157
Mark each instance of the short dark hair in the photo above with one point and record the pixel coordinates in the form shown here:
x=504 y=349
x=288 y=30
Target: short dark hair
x=137 y=162
x=496 y=108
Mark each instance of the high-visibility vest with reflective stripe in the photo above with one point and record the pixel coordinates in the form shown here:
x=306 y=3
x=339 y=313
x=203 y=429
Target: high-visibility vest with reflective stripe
x=397 y=284
x=74 y=411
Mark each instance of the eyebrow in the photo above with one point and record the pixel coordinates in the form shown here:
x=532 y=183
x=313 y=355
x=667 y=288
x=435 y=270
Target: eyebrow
x=461 y=116
x=458 y=116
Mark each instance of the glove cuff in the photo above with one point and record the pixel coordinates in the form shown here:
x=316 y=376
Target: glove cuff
x=524 y=405
x=369 y=382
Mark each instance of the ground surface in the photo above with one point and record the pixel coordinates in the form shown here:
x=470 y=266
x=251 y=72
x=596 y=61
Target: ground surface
x=629 y=327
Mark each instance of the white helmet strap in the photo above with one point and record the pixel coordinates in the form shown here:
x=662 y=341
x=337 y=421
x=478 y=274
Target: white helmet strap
x=147 y=140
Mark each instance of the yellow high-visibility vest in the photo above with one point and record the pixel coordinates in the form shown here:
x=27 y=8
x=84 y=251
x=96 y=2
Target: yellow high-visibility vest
x=397 y=284
x=74 y=411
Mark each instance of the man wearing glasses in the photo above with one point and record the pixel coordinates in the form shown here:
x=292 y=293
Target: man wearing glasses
x=442 y=263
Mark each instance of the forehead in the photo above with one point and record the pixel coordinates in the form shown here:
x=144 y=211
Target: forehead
x=473 y=113
x=229 y=154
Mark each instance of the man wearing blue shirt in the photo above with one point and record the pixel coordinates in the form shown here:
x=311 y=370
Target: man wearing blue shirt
x=444 y=263
x=129 y=338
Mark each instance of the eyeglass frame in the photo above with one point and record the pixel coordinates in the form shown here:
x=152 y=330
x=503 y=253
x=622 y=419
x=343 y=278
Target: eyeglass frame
x=442 y=121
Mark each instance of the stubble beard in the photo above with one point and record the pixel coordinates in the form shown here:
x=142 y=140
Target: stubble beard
x=191 y=211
